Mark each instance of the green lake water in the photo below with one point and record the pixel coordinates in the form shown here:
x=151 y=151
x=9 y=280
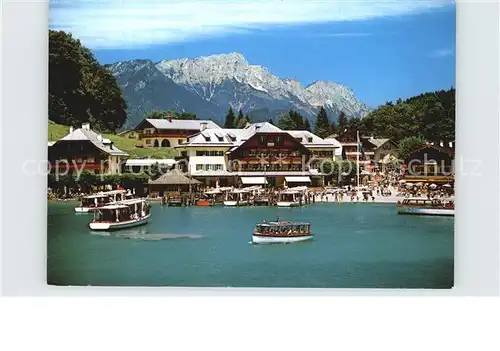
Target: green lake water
x=354 y=246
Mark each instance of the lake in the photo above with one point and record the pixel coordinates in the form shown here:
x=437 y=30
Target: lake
x=355 y=245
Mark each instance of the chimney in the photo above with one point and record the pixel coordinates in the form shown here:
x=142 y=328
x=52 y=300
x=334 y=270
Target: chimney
x=86 y=126
x=70 y=129
x=203 y=126
x=169 y=118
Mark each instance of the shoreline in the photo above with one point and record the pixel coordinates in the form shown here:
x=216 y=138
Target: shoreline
x=326 y=199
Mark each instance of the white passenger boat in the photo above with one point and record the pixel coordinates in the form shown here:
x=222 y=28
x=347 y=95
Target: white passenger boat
x=281 y=232
x=292 y=197
x=429 y=207
x=237 y=197
x=123 y=214
x=91 y=202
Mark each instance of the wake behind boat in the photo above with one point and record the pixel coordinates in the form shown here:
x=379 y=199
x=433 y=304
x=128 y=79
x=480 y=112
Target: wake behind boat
x=123 y=214
x=429 y=207
x=281 y=232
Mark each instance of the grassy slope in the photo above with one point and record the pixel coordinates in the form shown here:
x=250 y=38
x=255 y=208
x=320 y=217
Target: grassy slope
x=57 y=131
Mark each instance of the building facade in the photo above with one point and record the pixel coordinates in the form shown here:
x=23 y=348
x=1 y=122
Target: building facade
x=84 y=149
x=431 y=160
x=167 y=133
x=375 y=150
x=260 y=153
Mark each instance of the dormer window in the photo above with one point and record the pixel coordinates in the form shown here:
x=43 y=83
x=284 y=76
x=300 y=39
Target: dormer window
x=310 y=140
x=206 y=136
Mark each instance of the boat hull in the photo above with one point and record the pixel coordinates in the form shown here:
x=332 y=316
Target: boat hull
x=107 y=226
x=408 y=210
x=83 y=209
x=263 y=239
x=204 y=203
x=235 y=203
x=287 y=204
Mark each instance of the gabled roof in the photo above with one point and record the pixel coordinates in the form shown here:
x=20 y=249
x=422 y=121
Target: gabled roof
x=84 y=134
x=378 y=142
x=442 y=149
x=306 y=135
x=264 y=127
x=235 y=137
x=174 y=177
x=183 y=124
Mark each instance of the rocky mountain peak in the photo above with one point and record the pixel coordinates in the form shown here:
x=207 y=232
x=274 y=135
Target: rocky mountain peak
x=223 y=80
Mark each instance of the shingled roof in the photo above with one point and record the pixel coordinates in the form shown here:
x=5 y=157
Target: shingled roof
x=86 y=134
x=174 y=177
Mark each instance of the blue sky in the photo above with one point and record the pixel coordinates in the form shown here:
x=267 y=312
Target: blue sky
x=382 y=50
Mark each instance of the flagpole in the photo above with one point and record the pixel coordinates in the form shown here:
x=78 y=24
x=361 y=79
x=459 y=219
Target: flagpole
x=357 y=158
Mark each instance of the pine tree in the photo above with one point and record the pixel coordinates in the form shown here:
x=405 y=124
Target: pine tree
x=322 y=125
x=229 y=123
x=242 y=123
x=297 y=119
x=342 y=122
x=306 y=124
x=333 y=128
x=270 y=121
x=239 y=119
x=286 y=122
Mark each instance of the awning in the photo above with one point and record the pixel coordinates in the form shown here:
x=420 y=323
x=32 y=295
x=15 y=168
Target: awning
x=298 y=179
x=253 y=180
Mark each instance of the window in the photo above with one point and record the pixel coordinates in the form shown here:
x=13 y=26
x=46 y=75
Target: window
x=199 y=167
x=148 y=141
x=279 y=140
x=180 y=141
x=310 y=140
x=262 y=140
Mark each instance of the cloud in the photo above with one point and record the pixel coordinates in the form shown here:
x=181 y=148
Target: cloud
x=132 y=23
x=441 y=53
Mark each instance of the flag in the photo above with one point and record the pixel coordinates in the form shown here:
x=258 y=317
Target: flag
x=360 y=148
x=344 y=156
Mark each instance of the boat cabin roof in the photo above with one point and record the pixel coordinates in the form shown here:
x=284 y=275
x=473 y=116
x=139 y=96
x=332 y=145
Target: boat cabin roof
x=112 y=207
x=112 y=192
x=131 y=201
x=95 y=196
x=280 y=223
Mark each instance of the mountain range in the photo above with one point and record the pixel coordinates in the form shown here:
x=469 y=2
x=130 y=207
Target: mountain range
x=208 y=85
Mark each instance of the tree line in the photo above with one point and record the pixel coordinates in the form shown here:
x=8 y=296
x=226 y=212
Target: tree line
x=80 y=89
x=238 y=122
x=159 y=114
